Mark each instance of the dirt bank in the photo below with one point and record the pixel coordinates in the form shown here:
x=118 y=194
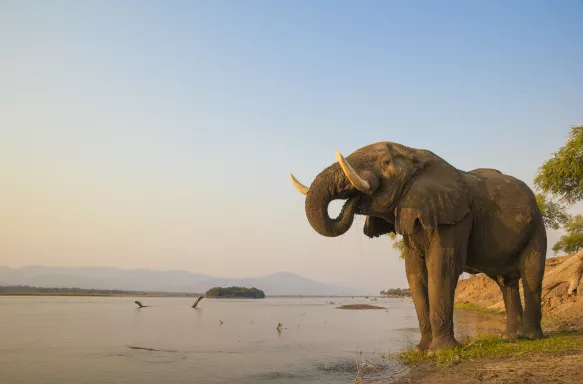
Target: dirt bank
x=558 y=368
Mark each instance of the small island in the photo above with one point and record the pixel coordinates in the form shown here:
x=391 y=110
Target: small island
x=396 y=292
x=235 y=292
x=360 y=306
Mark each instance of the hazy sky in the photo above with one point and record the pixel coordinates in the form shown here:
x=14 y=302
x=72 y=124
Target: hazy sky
x=160 y=134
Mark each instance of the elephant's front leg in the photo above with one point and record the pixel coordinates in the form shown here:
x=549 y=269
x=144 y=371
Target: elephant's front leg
x=445 y=260
x=417 y=278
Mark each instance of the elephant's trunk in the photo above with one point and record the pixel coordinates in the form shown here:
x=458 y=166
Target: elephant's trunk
x=330 y=185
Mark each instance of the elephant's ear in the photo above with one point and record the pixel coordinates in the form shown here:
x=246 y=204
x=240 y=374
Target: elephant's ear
x=375 y=227
x=437 y=195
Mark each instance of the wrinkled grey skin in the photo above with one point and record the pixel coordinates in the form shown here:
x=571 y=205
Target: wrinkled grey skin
x=451 y=221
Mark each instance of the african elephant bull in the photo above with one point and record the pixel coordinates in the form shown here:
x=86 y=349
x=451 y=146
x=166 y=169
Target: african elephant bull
x=451 y=221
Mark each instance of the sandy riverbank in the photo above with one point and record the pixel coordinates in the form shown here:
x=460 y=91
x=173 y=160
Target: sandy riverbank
x=545 y=368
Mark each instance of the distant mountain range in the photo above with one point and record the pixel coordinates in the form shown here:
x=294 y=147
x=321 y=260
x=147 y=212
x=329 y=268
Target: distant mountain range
x=280 y=283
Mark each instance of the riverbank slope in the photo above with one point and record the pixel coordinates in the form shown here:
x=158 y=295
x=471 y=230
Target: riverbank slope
x=559 y=310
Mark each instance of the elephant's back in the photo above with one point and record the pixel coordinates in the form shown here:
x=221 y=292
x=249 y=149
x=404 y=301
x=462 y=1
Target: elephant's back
x=510 y=199
x=480 y=171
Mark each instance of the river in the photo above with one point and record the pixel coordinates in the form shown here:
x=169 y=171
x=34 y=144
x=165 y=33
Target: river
x=109 y=340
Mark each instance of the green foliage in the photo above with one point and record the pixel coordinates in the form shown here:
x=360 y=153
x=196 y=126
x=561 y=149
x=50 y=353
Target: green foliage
x=474 y=307
x=494 y=346
x=554 y=214
x=573 y=241
x=235 y=292
x=575 y=224
x=399 y=292
x=398 y=244
x=562 y=175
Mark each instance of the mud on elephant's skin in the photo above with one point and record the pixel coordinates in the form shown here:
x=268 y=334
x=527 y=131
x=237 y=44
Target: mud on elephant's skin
x=451 y=221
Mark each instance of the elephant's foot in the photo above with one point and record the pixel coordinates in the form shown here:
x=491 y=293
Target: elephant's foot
x=507 y=335
x=440 y=345
x=424 y=344
x=511 y=334
x=531 y=333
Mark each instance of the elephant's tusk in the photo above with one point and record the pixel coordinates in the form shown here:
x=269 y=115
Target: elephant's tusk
x=358 y=183
x=299 y=186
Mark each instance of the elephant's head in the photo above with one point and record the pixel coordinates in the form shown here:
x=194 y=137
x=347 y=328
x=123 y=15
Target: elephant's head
x=398 y=188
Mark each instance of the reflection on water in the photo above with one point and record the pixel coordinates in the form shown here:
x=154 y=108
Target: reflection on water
x=109 y=340
x=469 y=323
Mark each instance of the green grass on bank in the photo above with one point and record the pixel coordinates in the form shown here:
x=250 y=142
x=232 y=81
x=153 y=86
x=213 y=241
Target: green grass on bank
x=488 y=346
x=474 y=307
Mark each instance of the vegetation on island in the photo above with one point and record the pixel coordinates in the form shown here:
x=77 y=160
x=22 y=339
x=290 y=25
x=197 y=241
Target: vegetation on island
x=360 y=306
x=235 y=292
x=396 y=292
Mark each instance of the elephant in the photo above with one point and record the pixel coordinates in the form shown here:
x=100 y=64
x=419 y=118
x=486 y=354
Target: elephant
x=452 y=221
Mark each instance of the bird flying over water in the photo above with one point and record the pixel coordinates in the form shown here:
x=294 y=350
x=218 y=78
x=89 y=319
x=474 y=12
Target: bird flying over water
x=198 y=299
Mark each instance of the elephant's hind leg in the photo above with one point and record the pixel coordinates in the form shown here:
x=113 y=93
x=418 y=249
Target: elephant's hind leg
x=532 y=260
x=511 y=295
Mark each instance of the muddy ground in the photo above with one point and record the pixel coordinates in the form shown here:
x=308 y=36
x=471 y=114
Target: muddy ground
x=562 y=368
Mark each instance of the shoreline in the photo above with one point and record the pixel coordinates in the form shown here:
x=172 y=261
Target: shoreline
x=488 y=359
x=80 y=294
x=158 y=295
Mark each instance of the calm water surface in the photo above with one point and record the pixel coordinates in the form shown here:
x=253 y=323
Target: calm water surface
x=93 y=339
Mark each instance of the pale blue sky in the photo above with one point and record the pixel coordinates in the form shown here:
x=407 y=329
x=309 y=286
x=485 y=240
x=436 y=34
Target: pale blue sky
x=161 y=134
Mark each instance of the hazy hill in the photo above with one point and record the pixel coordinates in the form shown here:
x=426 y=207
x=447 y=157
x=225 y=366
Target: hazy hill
x=281 y=283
